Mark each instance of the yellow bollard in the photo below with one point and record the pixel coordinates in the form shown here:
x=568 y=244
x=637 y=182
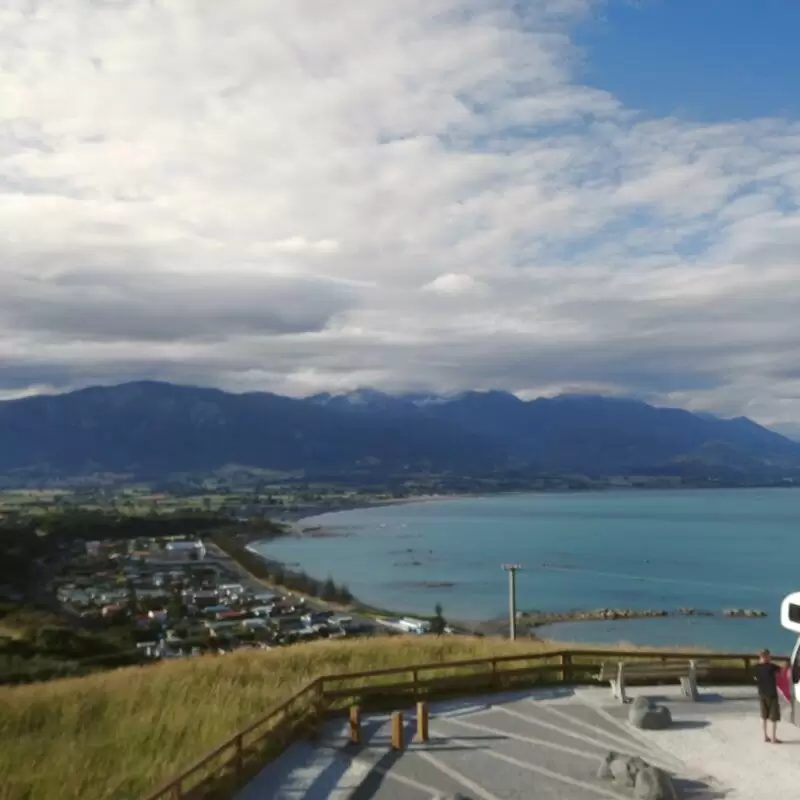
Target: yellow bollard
x=422 y=721
x=355 y=725
x=397 y=730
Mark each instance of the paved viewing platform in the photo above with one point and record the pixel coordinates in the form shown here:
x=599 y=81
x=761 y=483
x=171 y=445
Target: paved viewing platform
x=543 y=744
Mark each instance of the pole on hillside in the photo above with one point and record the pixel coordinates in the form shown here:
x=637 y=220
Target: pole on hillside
x=511 y=569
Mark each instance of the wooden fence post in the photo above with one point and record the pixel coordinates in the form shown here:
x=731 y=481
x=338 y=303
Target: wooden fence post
x=238 y=763
x=317 y=707
x=415 y=681
x=422 y=721
x=566 y=667
x=355 y=725
x=397 y=730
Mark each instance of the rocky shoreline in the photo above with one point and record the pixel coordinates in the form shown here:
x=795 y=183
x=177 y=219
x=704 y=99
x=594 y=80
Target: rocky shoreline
x=537 y=618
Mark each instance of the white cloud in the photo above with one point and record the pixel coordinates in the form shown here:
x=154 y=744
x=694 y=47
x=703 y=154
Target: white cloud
x=252 y=194
x=454 y=284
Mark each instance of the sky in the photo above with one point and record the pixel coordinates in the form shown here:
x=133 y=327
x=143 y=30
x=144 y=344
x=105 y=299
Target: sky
x=541 y=196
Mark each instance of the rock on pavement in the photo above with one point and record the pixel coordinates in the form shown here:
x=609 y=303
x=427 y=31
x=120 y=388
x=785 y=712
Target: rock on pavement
x=654 y=784
x=649 y=717
x=631 y=772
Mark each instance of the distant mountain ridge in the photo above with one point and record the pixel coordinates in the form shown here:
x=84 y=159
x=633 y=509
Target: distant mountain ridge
x=150 y=427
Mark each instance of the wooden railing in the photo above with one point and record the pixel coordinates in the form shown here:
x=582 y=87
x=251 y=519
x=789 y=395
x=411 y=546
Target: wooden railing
x=228 y=767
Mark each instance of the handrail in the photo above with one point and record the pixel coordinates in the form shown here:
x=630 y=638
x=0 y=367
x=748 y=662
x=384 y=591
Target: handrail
x=660 y=654
x=173 y=788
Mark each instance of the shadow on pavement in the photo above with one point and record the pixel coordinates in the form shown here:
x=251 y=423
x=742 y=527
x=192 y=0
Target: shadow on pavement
x=688 y=724
x=696 y=790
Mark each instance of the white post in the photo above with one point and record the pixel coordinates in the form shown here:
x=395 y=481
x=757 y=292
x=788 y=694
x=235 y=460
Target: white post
x=511 y=569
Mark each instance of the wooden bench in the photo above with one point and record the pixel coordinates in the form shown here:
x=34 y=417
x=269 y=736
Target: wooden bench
x=686 y=672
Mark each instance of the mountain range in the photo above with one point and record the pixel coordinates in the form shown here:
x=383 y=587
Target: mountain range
x=152 y=428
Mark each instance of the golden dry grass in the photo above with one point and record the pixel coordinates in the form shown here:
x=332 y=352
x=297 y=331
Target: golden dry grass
x=119 y=734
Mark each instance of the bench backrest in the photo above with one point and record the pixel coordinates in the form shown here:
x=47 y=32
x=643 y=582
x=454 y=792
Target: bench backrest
x=609 y=670
x=655 y=669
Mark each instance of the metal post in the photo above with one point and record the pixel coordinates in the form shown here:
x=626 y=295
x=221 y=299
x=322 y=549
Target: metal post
x=511 y=569
x=512 y=603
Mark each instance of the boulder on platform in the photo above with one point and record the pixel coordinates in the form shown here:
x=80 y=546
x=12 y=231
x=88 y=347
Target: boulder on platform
x=624 y=770
x=631 y=772
x=649 y=717
x=653 y=783
x=604 y=770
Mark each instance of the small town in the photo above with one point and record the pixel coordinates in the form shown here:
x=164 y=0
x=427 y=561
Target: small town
x=183 y=597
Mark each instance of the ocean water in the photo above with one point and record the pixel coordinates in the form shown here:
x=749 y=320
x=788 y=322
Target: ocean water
x=707 y=549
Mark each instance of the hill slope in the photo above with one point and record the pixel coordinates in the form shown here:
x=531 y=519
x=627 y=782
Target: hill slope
x=119 y=734
x=150 y=428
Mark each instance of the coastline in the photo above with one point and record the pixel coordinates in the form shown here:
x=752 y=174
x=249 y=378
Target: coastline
x=529 y=622
x=293 y=528
x=292 y=518
x=288 y=525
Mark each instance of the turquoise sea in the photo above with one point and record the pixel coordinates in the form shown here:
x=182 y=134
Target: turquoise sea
x=707 y=549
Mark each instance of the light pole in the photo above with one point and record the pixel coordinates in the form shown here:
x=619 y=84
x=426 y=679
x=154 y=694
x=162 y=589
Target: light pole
x=511 y=569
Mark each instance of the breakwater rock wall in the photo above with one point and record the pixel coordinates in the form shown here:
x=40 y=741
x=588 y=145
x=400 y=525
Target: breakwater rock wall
x=603 y=614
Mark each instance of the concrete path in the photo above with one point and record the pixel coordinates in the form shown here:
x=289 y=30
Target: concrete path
x=545 y=745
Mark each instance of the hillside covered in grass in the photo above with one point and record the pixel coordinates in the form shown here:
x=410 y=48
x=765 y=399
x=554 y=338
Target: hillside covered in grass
x=119 y=734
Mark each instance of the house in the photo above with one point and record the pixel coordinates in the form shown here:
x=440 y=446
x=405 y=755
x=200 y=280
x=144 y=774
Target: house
x=230 y=614
x=289 y=624
x=112 y=609
x=202 y=598
x=214 y=610
x=151 y=649
x=158 y=615
x=265 y=598
x=252 y=624
x=262 y=611
x=317 y=617
x=221 y=626
x=411 y=625
x=185 y=550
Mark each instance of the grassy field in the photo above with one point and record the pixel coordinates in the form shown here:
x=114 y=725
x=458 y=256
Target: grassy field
x=119 y=734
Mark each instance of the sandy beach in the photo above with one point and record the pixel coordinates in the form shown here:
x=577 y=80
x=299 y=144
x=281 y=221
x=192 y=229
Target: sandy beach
x=295 y=519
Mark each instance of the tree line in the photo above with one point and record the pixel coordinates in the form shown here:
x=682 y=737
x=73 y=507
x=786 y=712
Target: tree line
x=274 y=573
